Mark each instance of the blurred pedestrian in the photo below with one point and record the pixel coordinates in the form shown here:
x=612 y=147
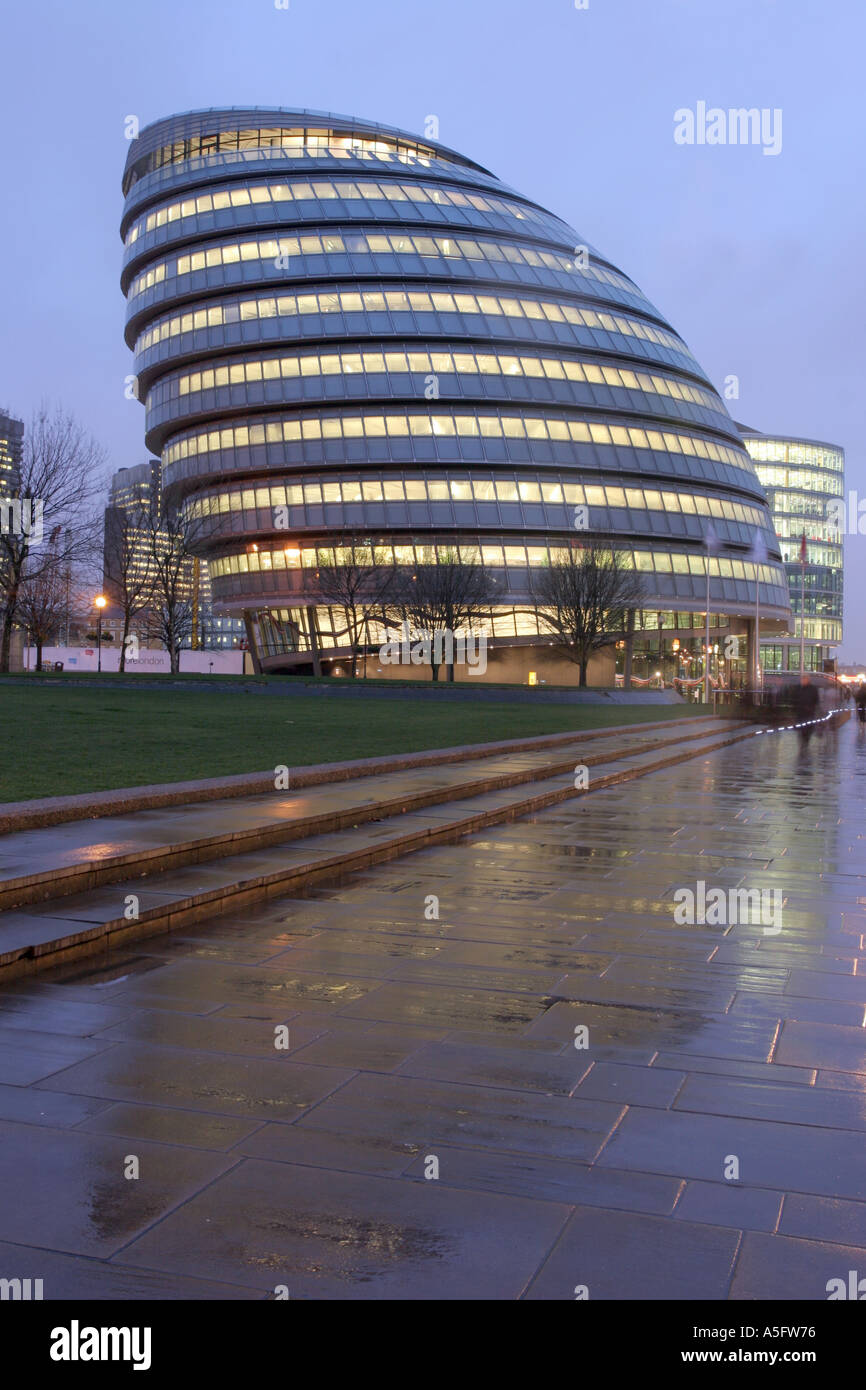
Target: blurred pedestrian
x=806 y=705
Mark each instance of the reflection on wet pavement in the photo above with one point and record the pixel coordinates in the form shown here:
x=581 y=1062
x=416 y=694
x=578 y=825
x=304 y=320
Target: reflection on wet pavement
x=495 y=1069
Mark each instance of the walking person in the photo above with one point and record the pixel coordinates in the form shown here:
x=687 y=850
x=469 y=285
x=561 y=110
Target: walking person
x=806 y=703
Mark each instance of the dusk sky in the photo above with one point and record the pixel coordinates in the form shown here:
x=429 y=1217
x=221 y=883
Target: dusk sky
x=756 y=259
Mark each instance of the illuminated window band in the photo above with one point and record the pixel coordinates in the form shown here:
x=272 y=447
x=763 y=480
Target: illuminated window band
x=497 y=622
x=371 y=243
x=347 y=363
x=491 y=490
x=290 y=557
x=350 y=190
x=397 y=425
x=401 y=301
x=800 y=479
x=786 y=451
x=293 y=142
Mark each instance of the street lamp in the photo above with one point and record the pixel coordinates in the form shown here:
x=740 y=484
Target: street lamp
x=99 y=602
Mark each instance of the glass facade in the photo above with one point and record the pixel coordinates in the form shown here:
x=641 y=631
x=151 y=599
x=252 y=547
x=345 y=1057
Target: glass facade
x=342 y=329
x=804 y=480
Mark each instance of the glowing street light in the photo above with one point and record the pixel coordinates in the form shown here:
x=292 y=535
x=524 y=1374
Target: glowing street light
x=99 y=603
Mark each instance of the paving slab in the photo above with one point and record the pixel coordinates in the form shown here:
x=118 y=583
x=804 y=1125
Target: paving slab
x=70 y=1278
x=72 y=1195
x=551 y=1179
x=786 y=1157
x=778 y=1267
x=723 y=1204
x=357 y=1237
x=630 y=1256
x=264 y=1088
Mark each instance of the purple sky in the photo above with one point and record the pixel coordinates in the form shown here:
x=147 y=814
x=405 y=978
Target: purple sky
x=756 y=260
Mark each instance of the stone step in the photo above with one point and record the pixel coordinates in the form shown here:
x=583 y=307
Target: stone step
x=46 y=864
x=63 y=929
x=42 y=812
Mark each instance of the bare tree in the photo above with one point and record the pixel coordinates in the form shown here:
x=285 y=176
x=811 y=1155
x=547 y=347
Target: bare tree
x=129 y=568
x=584 y=598
x=169 y=614
x=358 y=581
x=448 y=595
x=44 y=602
x=59 y=476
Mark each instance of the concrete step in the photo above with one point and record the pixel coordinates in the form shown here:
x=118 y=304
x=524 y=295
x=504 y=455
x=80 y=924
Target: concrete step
x=42 y=812
x=83 y=923
x=44 y=864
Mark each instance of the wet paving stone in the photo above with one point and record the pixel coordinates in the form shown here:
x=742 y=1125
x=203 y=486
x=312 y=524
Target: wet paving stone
x=725 y=1204
x=779 y=1267
x=447 y=1006
x=832 y=1046
x=644 y=1031
x=56 y=1110
x=68 y=1277
x=631 y=1085
x=725 y=1066
x=498 y=1066
x=380 y=1155
x=628 y=1256
x=644 y=996
x=772 y=1100
x=374 y=1047
x=272 y=985
x=53 y=1015
x=824 y=1218
x=71 y=1193
x=354 y=1237
x=779 y=1156
x=27 y=1056
x=789 y=1006
x=551 y=1179
x=261 y=1087
x=236 y=1037
x=420 y=1111
x=170 y=1126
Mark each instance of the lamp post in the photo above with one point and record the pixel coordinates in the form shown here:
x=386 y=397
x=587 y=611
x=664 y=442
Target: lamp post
x=99 y=602
x=803 y=606
x=710 y=543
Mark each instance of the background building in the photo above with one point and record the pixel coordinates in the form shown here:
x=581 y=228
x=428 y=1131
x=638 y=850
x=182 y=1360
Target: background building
x=134 y=495
x=11 y=440
x=132 y=498
x=343 y=330
x=801 y=478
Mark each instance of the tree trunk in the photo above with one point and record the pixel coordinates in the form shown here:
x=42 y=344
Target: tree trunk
x=175 y=660
x=38 y=653
x=629 y=649
x=8 y=617
x=314 y=642
x=582 y=668
x=435 y=670
x=122 y=666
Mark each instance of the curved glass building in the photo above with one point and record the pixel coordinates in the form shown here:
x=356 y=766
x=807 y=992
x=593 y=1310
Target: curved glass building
x=804 y=480
x=344 y=330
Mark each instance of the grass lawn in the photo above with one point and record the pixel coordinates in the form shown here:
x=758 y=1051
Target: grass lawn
x=58 y=740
